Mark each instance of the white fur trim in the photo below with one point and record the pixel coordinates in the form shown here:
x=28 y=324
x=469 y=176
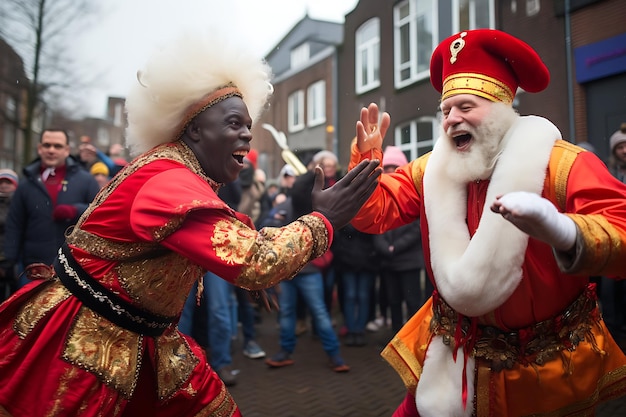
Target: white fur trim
x=439 y=392
x=477 y=275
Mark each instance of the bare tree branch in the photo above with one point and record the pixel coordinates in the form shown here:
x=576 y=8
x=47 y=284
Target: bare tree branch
x=40 y=32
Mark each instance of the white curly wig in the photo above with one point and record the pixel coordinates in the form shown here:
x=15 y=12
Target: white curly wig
x=182 y=74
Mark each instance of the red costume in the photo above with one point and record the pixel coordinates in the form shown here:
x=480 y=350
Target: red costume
x=101 y=327
x=513 y=327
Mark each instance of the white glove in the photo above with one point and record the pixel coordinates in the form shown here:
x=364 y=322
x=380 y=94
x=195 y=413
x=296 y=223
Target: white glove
x=537 y=217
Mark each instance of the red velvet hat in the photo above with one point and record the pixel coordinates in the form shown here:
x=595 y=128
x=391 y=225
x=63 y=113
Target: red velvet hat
x=488 y=63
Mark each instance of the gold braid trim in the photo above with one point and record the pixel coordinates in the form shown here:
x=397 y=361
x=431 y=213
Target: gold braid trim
x=476 y=84
x=566 y=160
x=417 y=172
x=320 y=234
x=223 y=405
x=177 y=152
x=403 y=360
x=222 y=93
x=601 y=244
x=534 y=345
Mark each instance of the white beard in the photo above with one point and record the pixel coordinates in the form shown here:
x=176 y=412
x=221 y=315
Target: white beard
x=476 y=274
x=479 y=161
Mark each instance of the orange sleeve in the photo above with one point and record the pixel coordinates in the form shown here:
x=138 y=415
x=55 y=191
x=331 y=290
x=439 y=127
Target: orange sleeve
x=581 y=186
x=397 y=199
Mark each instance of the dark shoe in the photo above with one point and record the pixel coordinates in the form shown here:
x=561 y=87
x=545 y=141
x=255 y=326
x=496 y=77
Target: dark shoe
x=279 y=360
x=338 y=365
x=350 y=339
x=227 y=376
x=359 y=339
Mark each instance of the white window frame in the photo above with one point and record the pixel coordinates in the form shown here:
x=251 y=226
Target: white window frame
x=118 y=114
x=316 y=103
x=412 y=64
x=10 y=129
x=416 y=146
x=533 y=7
x=300 y=55
x=456 y=18
x=295 y=111
x=367 y=56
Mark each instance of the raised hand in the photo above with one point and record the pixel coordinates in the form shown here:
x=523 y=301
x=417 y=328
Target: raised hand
x=341 y=202
x=537 y=217
x=369 y=134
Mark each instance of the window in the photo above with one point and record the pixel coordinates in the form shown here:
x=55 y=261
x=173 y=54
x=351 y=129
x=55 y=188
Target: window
x=472 y=14
x=368 y=56
x=295 y=109
x=102 y=137
x=10 y=127
x=415 y=34
x=532 y=7
x=118 y=113
x=316 y=103
x=416 y=137
x=300 y=55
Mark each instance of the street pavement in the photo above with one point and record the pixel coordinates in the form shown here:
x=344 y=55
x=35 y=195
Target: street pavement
x=310 y=388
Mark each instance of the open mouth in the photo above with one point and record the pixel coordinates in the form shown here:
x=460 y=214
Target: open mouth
x=462 y=141
x=240 y=155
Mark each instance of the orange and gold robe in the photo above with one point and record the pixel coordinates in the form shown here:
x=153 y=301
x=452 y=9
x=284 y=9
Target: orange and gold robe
x=553 y=373
x=146 y=238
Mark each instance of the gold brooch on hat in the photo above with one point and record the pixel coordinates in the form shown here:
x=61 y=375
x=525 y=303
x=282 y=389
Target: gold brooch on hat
x=456 y=46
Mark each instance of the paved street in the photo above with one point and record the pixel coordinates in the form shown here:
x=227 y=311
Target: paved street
x=309 y=388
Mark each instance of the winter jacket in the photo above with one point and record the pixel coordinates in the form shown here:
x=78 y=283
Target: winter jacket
x=31 y=233
x=354 y=250
x=407 y=243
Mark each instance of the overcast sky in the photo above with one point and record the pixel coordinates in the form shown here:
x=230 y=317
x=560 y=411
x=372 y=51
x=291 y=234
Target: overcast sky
x=128 y=30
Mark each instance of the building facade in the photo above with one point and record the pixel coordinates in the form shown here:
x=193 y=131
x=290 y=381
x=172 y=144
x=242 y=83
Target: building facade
x=13 y=95
x=304 y=104
x=385 y=54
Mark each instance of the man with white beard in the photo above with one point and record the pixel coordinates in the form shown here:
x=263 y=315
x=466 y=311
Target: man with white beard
x=514 y=220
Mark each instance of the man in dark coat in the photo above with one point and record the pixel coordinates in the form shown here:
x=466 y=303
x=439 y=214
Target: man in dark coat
x=54 y=191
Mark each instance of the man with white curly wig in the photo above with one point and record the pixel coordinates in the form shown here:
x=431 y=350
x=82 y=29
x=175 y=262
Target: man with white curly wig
x=96 y=333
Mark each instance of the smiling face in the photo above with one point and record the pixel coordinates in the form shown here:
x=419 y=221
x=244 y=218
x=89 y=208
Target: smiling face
x=462 y=114
x=220 y=138
x=53 y=148
x=474 y=127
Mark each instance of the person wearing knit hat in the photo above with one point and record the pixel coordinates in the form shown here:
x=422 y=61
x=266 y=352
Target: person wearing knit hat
x=10 y=176
x=100 y=172
x=96 y=332
x=8 y=279
x=393 y=157
x=514 y=221
x=617 y=158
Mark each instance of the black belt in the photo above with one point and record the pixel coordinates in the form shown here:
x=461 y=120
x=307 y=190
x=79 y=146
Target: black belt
x=104 y=302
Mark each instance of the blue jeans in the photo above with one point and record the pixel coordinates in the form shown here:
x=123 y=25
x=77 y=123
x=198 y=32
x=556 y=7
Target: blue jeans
x=311 y=288
x=219 y=299
x=246 y=314
x=357 y=292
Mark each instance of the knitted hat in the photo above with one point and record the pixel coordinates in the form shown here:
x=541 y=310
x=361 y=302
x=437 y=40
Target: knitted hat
x=618 y=137
x=99 y=168
x=9 y=175
x=189 y=75
x=394 y=156
x=487 y=63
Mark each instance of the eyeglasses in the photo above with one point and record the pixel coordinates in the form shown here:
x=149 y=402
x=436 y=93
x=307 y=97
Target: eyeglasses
x=57 y=146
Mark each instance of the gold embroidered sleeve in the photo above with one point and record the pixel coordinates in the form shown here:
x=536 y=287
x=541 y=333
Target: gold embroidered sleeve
x=599 y=248
x=271 y=254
